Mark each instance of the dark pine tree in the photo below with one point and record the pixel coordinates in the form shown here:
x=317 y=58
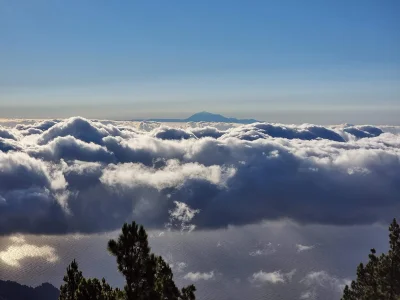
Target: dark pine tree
x=379 y=279
x=93 y=289
x=71 y=282
x=135 y=262
x=147 y=276
x=188 y=292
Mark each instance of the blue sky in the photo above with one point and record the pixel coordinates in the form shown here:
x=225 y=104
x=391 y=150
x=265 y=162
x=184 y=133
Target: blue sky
x=288 y=61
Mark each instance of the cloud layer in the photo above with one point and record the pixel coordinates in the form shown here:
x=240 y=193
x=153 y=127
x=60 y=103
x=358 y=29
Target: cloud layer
x=79 y=175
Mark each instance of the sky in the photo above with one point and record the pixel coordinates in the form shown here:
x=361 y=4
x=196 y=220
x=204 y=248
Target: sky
x=287 y=61
x=281 y=210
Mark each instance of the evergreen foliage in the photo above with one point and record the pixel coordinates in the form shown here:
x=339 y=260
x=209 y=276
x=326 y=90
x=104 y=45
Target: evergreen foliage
x=72 y=280
x=147 y=276
x=379 y=279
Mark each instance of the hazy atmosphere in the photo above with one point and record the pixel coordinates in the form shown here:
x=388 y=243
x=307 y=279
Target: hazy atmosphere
x=257 y=142
x=326 y=63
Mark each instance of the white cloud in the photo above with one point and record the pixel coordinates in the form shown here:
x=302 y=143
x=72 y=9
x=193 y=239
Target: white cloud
x=169 y=133
x=322 y=278
x=196 y=276
x=7 y=133
x=308 y=295
x=183 y=212
x=21 y=250
x=272 y=277
x=301 y=248
x=172 y=175
x=320 y=281
x=84 y=175
x=181 y=216
x=17 y=239
x=180 y=266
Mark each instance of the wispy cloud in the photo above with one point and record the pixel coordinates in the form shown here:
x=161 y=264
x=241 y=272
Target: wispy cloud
x=196 y=276
x=320 y=281
x=301 y=248
x=272 y=277
x=181 y=216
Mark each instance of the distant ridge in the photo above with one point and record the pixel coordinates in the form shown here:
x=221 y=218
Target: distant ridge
x=204 y=117
x=10 y=290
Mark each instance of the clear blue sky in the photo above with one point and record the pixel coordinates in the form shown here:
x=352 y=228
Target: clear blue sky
x=294 y=60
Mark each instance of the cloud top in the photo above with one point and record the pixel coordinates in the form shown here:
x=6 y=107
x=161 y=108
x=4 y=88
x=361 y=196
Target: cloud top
x=89 y=176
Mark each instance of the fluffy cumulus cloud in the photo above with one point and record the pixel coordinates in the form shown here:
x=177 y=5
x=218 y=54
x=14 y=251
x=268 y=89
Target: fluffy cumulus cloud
x=196 y=276
x=79 y=175
x=20 y=250
x=167 y=133
x=9 y=145
x=35 y=128
x=6 y=133
x=272 y=277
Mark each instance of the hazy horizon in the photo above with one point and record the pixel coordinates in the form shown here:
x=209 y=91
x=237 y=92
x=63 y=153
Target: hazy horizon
x=372 y=117
x=320 y=63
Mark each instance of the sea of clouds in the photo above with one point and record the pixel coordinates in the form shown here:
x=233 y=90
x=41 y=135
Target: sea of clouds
x=80 y=175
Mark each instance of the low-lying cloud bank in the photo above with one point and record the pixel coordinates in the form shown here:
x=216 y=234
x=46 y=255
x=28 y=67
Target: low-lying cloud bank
x=78 y=175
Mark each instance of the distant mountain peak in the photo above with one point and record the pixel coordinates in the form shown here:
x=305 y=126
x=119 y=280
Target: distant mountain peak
x=206 y=113
x=10 y=290
x=205 y=116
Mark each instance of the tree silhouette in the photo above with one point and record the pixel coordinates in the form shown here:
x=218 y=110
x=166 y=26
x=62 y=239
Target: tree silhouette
x=164 y=284
x=135 y=262
x=93 y=289
x=379 y=279
x=72 y=281
x=188 y=292
x=147 y=276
